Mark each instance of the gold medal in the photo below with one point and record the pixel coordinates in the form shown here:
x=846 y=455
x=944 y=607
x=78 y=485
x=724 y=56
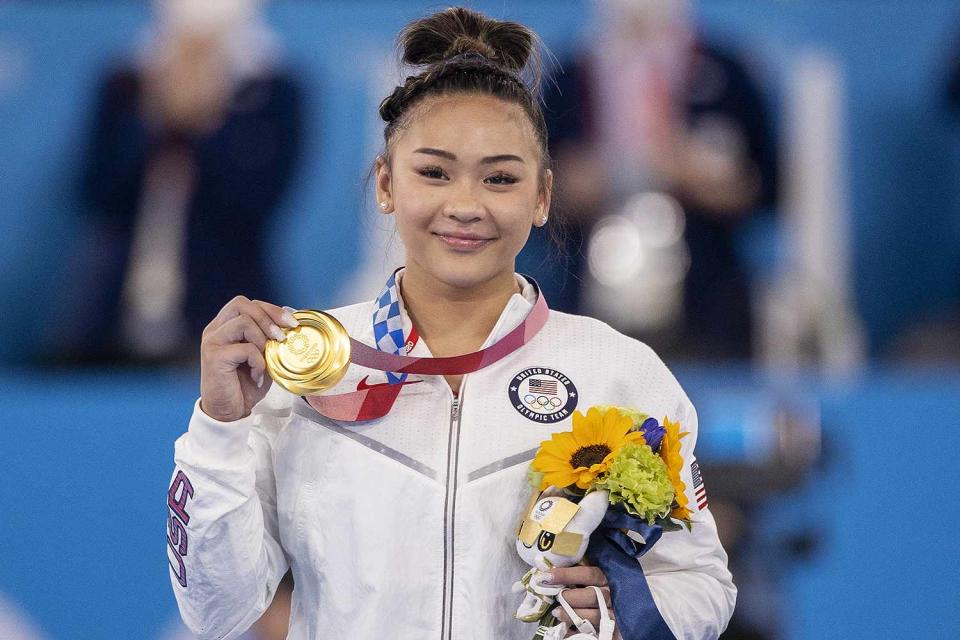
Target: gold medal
x=314 y=357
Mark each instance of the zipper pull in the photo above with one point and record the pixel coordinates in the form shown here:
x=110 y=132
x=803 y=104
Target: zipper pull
x=455 y=409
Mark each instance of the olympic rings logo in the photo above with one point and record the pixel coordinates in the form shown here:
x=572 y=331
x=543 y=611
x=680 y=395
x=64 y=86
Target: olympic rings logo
x=542 y=402
x=542 y=394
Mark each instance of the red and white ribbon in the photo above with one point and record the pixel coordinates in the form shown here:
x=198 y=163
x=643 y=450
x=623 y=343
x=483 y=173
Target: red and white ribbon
x=370 y=402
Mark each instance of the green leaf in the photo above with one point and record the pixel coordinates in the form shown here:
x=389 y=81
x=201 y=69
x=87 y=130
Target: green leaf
x=669 y=524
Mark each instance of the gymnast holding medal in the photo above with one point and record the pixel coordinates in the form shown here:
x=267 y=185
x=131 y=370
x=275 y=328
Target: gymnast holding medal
x=382 y=451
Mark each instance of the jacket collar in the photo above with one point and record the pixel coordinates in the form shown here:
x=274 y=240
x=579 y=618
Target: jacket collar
x=517 y=308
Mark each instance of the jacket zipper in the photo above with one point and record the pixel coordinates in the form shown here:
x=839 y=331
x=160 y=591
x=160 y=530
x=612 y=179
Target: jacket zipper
x=449 y=506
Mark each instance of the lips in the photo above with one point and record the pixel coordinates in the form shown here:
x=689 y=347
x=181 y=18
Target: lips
x=463 y=241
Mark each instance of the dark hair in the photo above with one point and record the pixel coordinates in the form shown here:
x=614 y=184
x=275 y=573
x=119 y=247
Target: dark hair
x=462 y=51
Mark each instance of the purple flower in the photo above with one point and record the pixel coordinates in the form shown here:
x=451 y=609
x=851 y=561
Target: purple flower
x=652 y=433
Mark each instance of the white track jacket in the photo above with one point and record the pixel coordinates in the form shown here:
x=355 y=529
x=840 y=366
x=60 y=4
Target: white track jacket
x=404 y=527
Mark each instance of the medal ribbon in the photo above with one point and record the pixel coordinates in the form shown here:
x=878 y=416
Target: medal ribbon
x=370 y=402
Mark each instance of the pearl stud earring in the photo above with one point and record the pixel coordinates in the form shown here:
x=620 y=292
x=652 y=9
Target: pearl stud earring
x=383 y=205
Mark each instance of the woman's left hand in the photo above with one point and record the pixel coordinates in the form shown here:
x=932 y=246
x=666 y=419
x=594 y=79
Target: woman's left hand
x=580 y=596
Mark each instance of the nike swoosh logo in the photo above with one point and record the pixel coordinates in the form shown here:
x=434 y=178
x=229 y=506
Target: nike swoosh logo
x=363 y=386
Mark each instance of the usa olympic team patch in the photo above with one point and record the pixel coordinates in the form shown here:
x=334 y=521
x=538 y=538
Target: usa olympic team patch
x=542 y=394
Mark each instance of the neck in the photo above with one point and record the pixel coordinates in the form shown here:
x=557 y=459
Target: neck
x=454 y=320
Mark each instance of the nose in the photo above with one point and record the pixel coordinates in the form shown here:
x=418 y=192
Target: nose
x=464 y=205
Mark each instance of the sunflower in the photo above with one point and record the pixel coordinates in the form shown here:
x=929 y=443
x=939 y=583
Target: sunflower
x=670 y=452
x=579 y=456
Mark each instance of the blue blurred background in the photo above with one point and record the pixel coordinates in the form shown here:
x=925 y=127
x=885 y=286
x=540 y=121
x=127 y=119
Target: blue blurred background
x=832 y=475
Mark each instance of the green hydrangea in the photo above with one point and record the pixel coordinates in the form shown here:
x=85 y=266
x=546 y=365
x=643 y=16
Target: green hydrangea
x=637 y=416
x=535 y=478
x=638 y=478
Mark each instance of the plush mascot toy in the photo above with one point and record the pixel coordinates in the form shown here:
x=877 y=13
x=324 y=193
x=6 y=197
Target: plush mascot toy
x=554 y=533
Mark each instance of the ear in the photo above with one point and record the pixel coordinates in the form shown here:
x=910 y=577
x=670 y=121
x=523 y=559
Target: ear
x=544 y=199
x=592 y=509
x=384 y=185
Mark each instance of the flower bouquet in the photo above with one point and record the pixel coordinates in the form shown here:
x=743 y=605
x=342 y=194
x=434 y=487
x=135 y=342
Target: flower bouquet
x=607 y=490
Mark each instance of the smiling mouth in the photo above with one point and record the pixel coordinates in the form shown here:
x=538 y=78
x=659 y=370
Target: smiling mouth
x=460 y=243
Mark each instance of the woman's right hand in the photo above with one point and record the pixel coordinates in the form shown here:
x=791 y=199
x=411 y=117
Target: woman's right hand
x=233 y=375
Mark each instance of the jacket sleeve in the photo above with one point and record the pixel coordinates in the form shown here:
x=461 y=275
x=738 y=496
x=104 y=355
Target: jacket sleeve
x=687 y=570
x=222 y=534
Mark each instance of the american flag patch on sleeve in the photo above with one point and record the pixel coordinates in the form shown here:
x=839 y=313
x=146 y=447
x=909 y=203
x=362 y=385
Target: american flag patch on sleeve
x=699 y=489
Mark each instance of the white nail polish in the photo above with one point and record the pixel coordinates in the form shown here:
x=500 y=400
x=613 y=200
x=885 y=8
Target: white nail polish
x=277 y=333
x=556 y=612
x=260 y=381
x=289 y=320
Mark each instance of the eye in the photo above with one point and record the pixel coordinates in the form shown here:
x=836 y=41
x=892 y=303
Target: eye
x=434 y=173
x=545 y=541
x=501 y=179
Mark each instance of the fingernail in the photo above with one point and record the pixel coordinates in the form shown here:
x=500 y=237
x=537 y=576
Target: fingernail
x=277 y=333
x=259 y=381
x=547 y=578
x=289 y=320
x=556 y=612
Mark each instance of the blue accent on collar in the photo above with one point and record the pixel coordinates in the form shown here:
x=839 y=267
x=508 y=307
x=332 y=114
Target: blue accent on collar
x=388 y=325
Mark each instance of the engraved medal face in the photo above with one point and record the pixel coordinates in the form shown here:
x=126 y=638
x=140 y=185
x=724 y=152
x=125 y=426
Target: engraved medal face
x=313 y=358
x=302 y=349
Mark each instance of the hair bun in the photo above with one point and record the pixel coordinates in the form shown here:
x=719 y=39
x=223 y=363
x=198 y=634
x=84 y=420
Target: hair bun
x=457 y=31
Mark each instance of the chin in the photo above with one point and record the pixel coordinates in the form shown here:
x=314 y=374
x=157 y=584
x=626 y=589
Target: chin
x=466 y=274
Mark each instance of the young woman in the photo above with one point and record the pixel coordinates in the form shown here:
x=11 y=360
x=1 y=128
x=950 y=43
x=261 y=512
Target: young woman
x=399 y=519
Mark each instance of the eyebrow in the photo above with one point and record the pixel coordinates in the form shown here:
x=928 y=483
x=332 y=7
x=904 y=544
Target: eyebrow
x=503 y=157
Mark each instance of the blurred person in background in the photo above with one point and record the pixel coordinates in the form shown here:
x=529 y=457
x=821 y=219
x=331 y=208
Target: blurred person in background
x=194 y=139
x=669 y=133
x=664 y=153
